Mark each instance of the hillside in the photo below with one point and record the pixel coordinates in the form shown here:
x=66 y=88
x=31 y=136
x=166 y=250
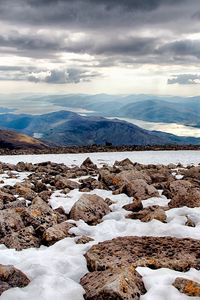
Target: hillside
x=14 y=140
x=67 y=128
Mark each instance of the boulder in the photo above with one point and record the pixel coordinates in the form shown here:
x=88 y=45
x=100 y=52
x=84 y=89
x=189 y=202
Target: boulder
x=89 y=208
x=11 y=277
x=152 y=252
x=25 y=191
x=88 y=164
x=140 y=190
x=150 y=213
x=56 y=233
x=23 y=239
x=187 y=287
x=184 y=193
x=116 y=284
x=136 y=205
x=10 y=221
x=39 y=215
x=63 y=183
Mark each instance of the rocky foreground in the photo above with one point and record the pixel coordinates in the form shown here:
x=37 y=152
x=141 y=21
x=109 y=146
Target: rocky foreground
x=28 y=220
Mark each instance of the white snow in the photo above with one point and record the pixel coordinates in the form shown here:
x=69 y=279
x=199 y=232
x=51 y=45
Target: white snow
x=186 y=157
x=55 y=271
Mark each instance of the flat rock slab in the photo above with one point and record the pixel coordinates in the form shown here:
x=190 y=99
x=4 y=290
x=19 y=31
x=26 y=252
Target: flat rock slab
x=152 y=252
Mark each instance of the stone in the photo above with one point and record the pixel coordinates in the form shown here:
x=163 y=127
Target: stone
x=15 y=204
x=116 y=284
x=25 y=191
x=89 y=208
x=84 y=240
x=11 y=277
x=136 y=205
x=39 y=215
x=184 y=193
x=63 y=183
x=56 y=233
x=22 y=239
x=187 y=287
x=141 y=190
x=10 y=221
x=90 y=184
x=150 y=213
x=152 y=252
x=88 y=164
x=6 y=197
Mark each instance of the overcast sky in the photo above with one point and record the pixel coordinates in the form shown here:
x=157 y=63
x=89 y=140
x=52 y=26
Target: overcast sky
x=100 y=46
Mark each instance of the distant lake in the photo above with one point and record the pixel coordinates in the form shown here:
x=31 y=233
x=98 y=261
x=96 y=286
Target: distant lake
x=174 y=128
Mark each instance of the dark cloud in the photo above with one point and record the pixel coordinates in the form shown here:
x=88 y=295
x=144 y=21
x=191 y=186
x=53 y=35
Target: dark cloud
x=184 y=79
x=84 y=13
x=181 y=48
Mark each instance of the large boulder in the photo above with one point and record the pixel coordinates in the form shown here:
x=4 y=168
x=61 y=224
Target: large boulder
x=11 y=277
x=89 y=208
x=116 y=284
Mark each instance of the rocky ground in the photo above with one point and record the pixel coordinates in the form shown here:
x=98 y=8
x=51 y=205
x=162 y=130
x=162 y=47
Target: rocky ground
x=49 y=149
x=44 y=203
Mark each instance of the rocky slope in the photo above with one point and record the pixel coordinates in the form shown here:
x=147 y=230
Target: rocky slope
x=14 y=140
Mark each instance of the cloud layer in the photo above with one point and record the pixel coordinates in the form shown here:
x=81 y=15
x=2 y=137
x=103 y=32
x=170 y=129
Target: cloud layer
x=77 y=41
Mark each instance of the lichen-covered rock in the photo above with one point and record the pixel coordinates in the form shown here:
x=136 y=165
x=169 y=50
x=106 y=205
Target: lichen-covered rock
x=6 y=197
x=39 y=215
x=63 y=183
x=184 y=193
x=89 y=208
x=139 y=189
x=24 y=190
x=22 y=239
x=11 y=277
x=187 y=287
x=10 y=221
x=84 y=240
x=152 y=252
x=116 y=181
x=88 y=164
x=116 y=284
x=150 y=213
x=56 y=233
x=136 y=205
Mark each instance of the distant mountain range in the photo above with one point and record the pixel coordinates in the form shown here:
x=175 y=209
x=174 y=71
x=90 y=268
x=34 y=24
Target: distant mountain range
x=67 y=128
x=143 y=107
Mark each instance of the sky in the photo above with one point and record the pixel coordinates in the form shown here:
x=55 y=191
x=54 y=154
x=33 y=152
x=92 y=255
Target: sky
x=100 y=46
